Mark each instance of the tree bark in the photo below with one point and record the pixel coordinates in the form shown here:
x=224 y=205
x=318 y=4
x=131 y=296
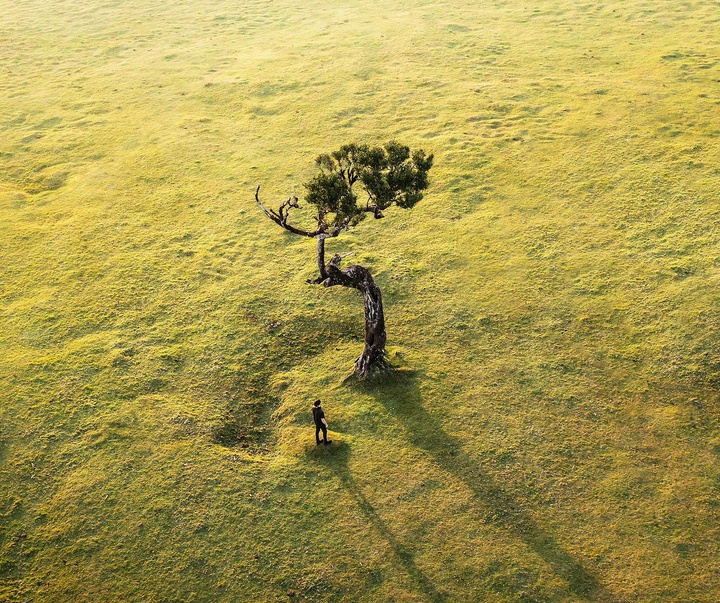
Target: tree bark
x=321 y=256
x=359 y=277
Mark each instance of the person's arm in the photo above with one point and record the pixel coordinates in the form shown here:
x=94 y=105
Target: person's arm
x=324 y=421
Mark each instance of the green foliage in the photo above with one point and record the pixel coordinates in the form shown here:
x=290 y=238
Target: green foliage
x=387 y=174
x=332 y=194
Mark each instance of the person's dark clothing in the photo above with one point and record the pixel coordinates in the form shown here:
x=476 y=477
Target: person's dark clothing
x=317 y=433
x=318 y=416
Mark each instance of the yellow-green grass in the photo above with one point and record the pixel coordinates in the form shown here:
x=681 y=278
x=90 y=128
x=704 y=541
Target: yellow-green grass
x=551 y=434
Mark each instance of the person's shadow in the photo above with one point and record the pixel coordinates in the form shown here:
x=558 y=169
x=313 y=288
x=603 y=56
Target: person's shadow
x=336 y=459
x=399 y=392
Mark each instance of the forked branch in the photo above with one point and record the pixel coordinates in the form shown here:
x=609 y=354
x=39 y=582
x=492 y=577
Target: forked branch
x=280 y=217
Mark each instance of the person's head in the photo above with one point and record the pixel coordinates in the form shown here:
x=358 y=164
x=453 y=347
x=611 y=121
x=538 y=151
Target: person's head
x=316 y=403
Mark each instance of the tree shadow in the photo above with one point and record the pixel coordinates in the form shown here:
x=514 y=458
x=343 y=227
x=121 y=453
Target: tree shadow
x=399 y=392
x=336 y=459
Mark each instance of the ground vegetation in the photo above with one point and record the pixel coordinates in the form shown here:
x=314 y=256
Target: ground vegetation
x=160 y=351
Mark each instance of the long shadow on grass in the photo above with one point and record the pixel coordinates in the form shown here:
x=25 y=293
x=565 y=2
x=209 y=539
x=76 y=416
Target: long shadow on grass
x=399 y=392
x=336 y=459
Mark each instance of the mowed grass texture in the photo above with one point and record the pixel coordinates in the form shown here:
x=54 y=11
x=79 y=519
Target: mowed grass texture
x=553 y=304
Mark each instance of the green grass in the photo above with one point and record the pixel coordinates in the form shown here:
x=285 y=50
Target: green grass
x=551 y=434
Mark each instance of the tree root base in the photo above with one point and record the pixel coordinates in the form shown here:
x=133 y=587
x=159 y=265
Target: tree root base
x=377 y=368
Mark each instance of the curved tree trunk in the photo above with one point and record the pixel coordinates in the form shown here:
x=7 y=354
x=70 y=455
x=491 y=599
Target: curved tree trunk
x=373 y=355
x=321 y=256
x=359 y=277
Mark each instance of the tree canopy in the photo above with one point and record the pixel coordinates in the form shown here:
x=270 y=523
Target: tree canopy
x=387 y=174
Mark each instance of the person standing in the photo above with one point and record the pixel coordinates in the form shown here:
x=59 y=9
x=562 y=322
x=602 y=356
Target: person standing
x=320 y=423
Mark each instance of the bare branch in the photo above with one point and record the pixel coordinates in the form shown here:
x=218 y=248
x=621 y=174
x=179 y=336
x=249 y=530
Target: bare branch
x=280 y=217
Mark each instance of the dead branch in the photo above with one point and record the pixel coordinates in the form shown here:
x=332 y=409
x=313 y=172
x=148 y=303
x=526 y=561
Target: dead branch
x=280 y=217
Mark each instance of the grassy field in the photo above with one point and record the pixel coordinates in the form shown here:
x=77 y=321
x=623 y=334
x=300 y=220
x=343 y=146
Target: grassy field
x=553 y=304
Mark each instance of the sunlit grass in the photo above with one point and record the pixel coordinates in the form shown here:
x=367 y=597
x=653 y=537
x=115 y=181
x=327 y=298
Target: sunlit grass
x=552 y=304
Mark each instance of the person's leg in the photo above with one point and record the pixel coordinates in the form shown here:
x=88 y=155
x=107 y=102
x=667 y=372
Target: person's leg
x=324 y=430
x=317 y=433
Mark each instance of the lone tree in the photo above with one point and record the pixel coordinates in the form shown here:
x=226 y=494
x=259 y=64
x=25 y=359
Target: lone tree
x=388 y=175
